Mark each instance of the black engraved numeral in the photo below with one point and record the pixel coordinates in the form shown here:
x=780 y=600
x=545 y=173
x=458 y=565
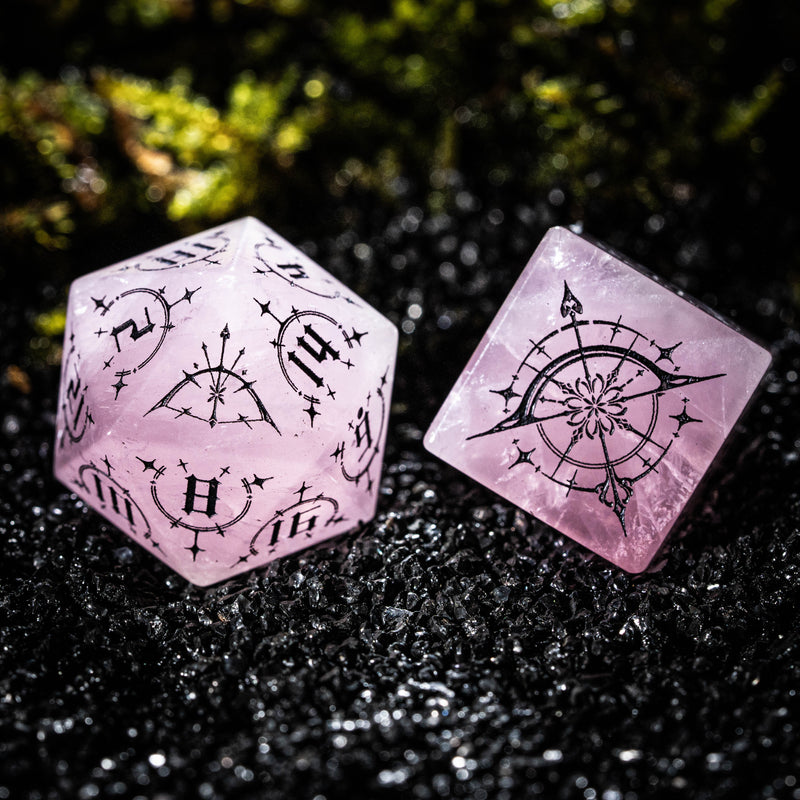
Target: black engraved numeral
x=192 y=494
x=74 y=388
x=114 y=498
x=154 y=305
x=298 y=276
x=97 y=484
x=358 y=452
x=201 y=497
x=324 y=350
x=182 y=255
x=363 y=433
x=319 y=355
x=305 y=362
x=308 y=517
x=136 y=331
x=302 y=522
x=294 y=271
x=77 y=415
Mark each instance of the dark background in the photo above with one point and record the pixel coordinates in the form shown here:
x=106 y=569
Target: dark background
x=453 y=647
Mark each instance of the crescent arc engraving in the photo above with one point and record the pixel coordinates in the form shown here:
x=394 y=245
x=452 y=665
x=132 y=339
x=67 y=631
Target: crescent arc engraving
x=595 y=412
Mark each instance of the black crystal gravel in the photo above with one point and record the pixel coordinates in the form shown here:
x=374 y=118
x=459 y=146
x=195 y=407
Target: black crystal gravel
x=453 y=647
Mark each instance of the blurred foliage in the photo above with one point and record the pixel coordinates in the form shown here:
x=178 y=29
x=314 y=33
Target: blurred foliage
x=193 y=111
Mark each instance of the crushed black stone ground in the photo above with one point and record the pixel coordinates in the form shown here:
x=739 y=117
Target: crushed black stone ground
x=452 y=647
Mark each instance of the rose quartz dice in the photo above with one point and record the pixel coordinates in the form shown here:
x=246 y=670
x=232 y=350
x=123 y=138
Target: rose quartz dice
x=224 y=400
x=597 y=399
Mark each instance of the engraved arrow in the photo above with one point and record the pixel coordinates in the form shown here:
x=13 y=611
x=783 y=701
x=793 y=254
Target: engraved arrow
x=229 y=370
x=614 y=374
x=620 y=490
x=669 y=381
x=577 y=435
x=570 y=305
x=216 y=392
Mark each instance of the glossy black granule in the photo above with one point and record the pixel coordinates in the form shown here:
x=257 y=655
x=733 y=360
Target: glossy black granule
x=452 y=647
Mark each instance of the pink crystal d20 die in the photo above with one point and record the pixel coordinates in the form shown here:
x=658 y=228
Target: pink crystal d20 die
x=224 y=401
x=597 y=399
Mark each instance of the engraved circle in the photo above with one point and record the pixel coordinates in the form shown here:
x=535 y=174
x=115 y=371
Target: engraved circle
x=567 y=361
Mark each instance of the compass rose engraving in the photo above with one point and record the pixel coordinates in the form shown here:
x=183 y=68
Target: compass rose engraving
x=215 y=393
x=596 y=418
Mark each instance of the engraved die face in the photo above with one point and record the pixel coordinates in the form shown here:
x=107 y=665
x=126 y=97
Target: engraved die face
x=224 y=400
x=597 y=399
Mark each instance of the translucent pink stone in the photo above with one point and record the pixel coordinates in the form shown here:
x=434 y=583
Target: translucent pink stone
x=224 y=401
x=597 y=399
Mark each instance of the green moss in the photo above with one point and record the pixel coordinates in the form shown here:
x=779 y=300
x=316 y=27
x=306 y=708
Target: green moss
x=583 y=92
x=741 y=116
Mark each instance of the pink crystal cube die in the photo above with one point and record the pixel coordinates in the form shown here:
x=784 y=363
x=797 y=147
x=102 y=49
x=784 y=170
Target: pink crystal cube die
x=224 y=401
x=597 y=399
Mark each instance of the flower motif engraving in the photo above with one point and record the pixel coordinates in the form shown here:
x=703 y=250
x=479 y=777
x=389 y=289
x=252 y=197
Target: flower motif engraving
x=594 y=404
